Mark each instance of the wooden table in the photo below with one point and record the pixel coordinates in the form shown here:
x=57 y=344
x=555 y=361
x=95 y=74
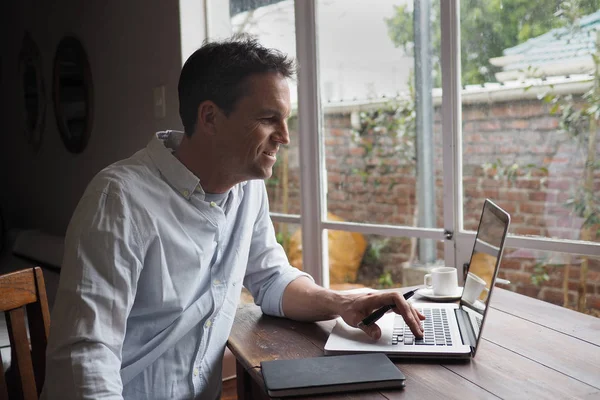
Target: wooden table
x=530 y=350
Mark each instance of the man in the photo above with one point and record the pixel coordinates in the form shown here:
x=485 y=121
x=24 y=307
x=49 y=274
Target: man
x=160 y=244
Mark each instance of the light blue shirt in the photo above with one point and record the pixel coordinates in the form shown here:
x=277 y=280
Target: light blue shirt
x=151 y=278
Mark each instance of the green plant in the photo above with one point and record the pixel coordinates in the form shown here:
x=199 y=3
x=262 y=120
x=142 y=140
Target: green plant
x=280 y=236
x=540 y=273
x=386 y=131
x=580 y=120
x=385 y=280
x=490 y=26
x=283 y=237
x=373 y=253
x=498 y=170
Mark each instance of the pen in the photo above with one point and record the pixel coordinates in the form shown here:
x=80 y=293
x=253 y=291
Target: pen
x=379 y=313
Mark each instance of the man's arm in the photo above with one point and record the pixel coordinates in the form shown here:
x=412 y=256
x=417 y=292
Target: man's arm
x=99 y=274
x=303 y=300
x=269 y=271
x=282 y=290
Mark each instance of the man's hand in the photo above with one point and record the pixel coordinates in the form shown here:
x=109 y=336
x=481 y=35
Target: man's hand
x=303 y=300
x=358 y=307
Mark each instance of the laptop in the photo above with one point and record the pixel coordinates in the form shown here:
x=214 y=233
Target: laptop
x=451 y=330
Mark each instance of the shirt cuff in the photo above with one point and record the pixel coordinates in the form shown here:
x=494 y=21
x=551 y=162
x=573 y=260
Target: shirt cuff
x=273 y=301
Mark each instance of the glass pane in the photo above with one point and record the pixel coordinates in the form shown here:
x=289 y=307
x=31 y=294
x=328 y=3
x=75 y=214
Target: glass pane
x=554 y=277
x=376 y=261
x=378 y=108
x=530 y=115
x=289 y=236
x=272 y=22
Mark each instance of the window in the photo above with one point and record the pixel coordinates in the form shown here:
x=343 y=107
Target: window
x=376 y=93
x=272 y=22
x=546 y=274
x=527 y=137
x=405 y=159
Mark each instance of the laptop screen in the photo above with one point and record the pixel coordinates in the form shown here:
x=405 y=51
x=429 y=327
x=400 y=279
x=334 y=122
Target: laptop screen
x=480 y=274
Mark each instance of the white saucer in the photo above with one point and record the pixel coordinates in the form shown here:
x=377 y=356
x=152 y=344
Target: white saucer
x=428 y=293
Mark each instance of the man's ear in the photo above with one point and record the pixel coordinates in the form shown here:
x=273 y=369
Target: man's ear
x=207 y=116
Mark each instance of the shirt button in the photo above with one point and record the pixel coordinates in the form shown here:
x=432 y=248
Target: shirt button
x=216 y=282
x=196 y=372
x=208 y=323
x=213 y=204
x=186 y=193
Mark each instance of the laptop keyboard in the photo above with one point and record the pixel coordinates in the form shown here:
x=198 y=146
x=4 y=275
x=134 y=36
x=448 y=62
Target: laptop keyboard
x=436 y=330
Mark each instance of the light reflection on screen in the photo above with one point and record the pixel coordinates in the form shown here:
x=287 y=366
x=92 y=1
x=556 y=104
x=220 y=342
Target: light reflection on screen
x=481 y=272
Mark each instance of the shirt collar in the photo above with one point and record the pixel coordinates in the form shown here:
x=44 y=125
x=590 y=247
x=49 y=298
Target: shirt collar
x=160 y=149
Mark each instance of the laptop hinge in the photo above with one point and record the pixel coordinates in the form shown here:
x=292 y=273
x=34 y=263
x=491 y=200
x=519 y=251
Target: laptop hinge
x=466 y=330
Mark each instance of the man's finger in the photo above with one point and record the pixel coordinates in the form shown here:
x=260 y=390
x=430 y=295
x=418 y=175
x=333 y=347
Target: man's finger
x=372 y=330
x=413 y=322
x=418 y=316
x=410 y=315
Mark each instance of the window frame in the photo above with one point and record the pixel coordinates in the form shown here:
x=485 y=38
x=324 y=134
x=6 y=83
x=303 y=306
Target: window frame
x=458 y=242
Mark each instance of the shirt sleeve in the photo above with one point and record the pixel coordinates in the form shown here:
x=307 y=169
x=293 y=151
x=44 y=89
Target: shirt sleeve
x=269 y=271
x=101 y=266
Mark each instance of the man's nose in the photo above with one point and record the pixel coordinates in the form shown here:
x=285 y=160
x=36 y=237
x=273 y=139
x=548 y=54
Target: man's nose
x=283 y=135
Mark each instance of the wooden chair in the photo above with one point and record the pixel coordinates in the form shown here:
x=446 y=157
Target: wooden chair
x=19 y=292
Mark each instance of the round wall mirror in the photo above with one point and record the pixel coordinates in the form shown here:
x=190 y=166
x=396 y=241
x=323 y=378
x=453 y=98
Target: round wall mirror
x=34 y=93
x=73 y=94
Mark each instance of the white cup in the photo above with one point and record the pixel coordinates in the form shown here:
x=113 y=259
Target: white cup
x=442 y=280
x=474 y=285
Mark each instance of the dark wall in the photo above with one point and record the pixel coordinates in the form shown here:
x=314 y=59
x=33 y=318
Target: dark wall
x=132 y=46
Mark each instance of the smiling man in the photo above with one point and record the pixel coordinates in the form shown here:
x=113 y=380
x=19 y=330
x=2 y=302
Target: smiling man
x=160 y=244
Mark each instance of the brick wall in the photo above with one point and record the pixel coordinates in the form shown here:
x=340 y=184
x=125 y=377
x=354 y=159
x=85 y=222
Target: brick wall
x=379 y=187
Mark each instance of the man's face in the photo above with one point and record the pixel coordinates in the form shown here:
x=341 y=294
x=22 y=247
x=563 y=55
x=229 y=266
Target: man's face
x=250 y=136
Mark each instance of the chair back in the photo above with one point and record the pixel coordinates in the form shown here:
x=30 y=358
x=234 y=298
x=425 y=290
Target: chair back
x=23 y=292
